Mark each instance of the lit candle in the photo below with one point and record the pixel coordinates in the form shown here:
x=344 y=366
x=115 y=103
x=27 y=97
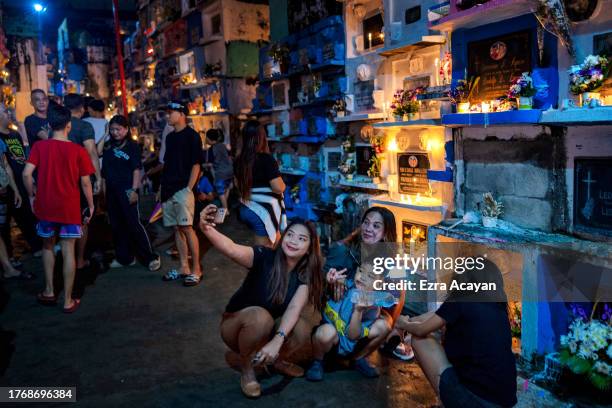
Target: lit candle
x=486 y=107
x=369 y=40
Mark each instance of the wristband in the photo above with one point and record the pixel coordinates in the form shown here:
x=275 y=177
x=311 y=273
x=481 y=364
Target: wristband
x=281 y=334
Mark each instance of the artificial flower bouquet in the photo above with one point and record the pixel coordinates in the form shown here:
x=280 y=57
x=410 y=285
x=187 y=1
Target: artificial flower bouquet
x=462 y=91
x=522 y=87
x=590 y=75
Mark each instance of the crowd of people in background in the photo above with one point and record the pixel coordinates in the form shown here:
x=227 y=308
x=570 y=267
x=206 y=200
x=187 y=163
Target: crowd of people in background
x=66 y=164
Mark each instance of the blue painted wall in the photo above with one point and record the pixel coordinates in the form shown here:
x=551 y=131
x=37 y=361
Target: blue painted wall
x=548 y=71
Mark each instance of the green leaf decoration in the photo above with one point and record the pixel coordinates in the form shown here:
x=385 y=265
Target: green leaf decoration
x=578 y=365
x=601 y=382
x=564 y=356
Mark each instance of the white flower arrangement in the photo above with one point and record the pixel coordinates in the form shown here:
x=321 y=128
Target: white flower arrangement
x=522 y=86
x=590 y=75
x=587 y=350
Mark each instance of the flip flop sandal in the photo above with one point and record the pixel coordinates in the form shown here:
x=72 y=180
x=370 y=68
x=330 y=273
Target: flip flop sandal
x=16 y=263
x=173 y=275
x=192 y=280
x=74 y=307
x=46 y=300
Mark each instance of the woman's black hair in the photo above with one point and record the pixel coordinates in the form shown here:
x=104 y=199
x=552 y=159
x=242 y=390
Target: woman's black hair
x=123 y=122
x=254 y=141
x=308 y=268
x=390 y=234
x=216 y=135
x=489 y=274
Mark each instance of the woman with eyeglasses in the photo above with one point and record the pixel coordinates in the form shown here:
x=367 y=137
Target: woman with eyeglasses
x=356 y=330
x=121 y=171
x=262 y=322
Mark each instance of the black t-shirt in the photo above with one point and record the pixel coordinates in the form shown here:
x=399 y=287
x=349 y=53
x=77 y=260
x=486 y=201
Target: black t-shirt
x=478 y=344
x=265 y=169
x=119 y=163
x=255 y=291
x=183 y=151
x=16 y=153
x=33 y=124
x=81 y=131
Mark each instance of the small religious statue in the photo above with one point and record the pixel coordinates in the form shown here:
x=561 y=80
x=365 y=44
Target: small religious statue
x=446 y=68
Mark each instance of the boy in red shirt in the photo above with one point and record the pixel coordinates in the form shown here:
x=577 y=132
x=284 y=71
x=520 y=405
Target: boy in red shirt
x=61 y=165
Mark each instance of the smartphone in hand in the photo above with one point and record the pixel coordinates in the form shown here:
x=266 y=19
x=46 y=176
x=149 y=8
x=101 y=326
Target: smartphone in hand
x=220 y=215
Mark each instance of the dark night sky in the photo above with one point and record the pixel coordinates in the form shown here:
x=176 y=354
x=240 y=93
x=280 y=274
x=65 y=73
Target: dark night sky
x=57 y=10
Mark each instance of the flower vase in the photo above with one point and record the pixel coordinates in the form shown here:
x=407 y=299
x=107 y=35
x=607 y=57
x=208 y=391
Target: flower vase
x=489 y=222
x=463 y=107
x=340 y=114
x=412 y=116
x=349 y=177
x=524 y=102
x=397 y=118
x=588 y=96
x=405 y=117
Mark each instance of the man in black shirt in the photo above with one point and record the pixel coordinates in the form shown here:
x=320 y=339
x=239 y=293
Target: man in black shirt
x=181 y=171
x=16 y=155
x=82 y=133
x=36 y=124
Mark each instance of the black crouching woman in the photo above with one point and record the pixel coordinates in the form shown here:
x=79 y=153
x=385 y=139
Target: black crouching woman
x=475 y=366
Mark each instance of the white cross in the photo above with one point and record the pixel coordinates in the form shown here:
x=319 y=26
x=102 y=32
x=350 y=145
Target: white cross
x=589 y=181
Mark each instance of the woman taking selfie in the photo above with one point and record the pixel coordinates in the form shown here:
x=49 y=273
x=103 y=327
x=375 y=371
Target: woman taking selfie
x=121 y=173
x=260 y=186
x=365 y=328
x=279 y=284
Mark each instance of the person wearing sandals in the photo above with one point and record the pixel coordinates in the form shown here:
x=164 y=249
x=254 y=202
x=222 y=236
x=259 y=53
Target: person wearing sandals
x=262 y=322
x=475 y=366
x=181 y=159
x=365 y=328
x=121 y=173
x=62 y=166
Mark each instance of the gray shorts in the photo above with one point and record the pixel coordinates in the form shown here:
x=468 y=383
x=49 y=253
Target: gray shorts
x=179 y=209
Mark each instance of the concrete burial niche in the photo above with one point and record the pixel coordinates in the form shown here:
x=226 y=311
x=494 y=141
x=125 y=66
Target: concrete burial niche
x=472 y=47
x=553 y=181
x=592 y=34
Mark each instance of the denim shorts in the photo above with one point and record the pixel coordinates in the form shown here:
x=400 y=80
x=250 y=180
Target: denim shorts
x=48 y=229
x=456 y=395
x=251 y=219
x=222 y=185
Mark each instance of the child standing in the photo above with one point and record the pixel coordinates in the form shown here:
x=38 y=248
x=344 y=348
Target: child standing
x=62 y=166
x=222 y=164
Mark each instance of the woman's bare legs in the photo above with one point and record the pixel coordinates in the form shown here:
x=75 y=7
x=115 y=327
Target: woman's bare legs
x=431 y=357
x=245 y=332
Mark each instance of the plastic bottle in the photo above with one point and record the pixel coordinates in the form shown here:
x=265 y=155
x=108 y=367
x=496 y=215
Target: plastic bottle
x=374 y=298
